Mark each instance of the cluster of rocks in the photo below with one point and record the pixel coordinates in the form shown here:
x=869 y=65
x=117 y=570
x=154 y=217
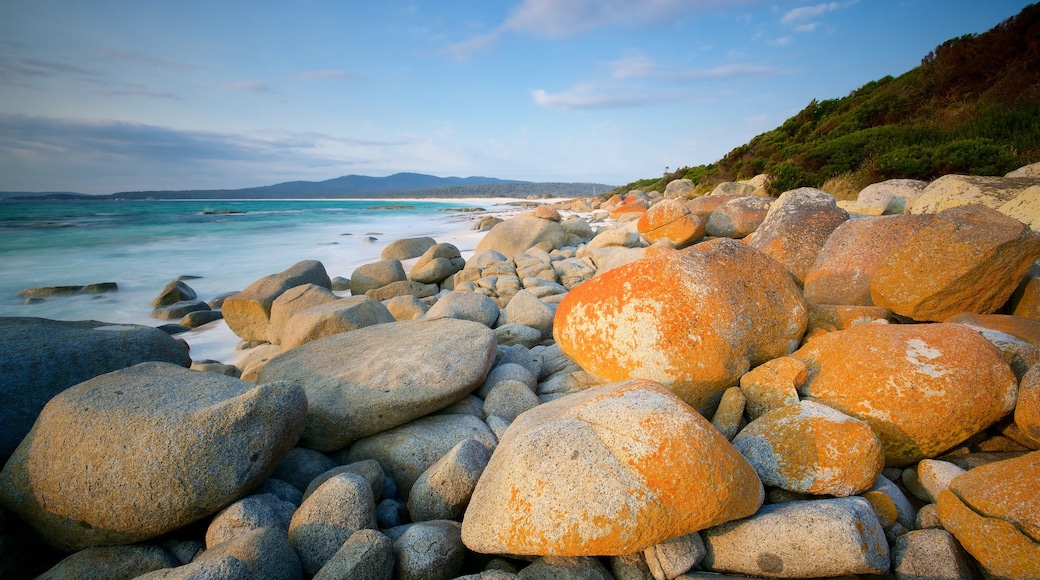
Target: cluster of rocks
x=725 y=386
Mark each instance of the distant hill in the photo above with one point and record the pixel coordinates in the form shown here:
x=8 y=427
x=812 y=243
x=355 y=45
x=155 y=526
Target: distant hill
x=357 y=186
x=971 y=107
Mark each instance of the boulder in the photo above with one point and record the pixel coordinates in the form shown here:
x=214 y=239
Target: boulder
x=577 y=227
x=733 y=188
x=471 y=306
x=930 y=554
x=738 y=218
x=198 y=318
x=729 y=417
x=135 y=453
x=935 y=476
x=671 y=221
x=406 y=307
x=893 y=196
x=407 y=248
x=176 y=291
x=678 y=188
x=608 y=471
x=693 y=319
x=376 y=275
x=564 y=568
x=394 y=373
x=368 y=469
x=260 y=553
x=343 y=315
x=509 y=399
x=706 y=205
x=1024 y=207
x=994 y=511
x=801 y=539
x=442 y=492
x=42 y=358
x=329 y=517
x=249 y=513
x=179 y=310
x=403 y=288
x=796 y=228
x=772 y=385
x=516 y=235
x=526 y=309
x=923 y=388
x=517 y=334
x=367 y=554
x=846 y=264
x=300 y=466
x=673 y=558
x=811 y=448
x=966 y=259
x=248 y=313
x=429 y=551
x=1027 y=410
x=629 y=211
x=111 y=562
x=956 y=190
x=292 y=301
x=437 y=263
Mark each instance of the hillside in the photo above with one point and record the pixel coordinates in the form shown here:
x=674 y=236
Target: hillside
x=356 y=186
x=971 y=107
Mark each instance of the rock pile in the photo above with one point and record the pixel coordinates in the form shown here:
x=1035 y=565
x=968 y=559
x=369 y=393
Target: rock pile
x=722 y=386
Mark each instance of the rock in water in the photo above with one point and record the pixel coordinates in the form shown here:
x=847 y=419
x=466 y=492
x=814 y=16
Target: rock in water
x=248 y=313
x=609 y=471
x=43 y=357
x=923 y=388
x=694 y=319
x=966 y=259
x=395 y=372
x=138 y=452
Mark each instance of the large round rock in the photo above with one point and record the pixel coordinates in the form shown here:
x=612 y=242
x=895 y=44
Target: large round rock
x=923 y=388
x=139 y=452
x=375 y=378
x=42 y=358
x=515 y=236
x=609 y=471
x=693 y=319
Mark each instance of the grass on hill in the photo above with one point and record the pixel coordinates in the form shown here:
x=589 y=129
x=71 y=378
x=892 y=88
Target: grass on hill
x=971 y=107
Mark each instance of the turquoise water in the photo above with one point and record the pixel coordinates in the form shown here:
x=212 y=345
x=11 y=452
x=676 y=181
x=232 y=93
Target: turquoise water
x=142 y=245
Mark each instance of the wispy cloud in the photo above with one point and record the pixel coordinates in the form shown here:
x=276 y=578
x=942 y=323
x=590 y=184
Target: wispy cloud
x=327 y=75
x=561 y=18
x=145 y=59
x=138 y=90
x=249 y=86
x=801 y=18
x=642 y=67
x=593 y=97
x=16 y=68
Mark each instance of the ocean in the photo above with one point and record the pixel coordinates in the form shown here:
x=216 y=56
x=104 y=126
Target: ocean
x=224 y=245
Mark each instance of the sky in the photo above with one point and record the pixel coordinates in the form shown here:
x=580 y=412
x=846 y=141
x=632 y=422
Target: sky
x=107 y=96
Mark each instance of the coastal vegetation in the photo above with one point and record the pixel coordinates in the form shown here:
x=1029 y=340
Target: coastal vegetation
x=971 y=107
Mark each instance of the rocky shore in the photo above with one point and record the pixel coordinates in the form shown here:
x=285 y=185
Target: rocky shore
x=652 y=386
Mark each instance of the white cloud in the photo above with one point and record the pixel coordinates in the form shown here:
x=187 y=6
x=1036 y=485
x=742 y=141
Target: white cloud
x=249 y=86
x=327 y=75
x=592 y=97
x=561 y=18
x=800 y=17
x=643 y=67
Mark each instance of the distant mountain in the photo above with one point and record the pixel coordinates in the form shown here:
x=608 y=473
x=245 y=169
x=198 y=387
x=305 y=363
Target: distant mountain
x=357 y=186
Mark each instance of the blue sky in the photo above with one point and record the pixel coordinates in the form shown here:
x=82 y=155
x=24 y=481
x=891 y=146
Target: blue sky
x=108 y=96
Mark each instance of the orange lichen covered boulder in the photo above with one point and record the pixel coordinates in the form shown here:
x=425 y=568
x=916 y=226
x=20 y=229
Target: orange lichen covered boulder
x=994 y=511
x=847 y=261
x=1027 y=411
x=923 y=388
x=966 y=259
x=796 y=228
x=612 y=470
x=693 y=319
x=811 y=448
x=631 y=209
x=670 y=220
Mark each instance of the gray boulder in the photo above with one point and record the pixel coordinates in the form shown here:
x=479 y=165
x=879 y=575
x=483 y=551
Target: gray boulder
x=175 y=291
x=525 y=308
x=394 y=373
x=292 y=301
x=179 y=310
x=327 y=519
x=368 y=469
x=376 y=275
x=249 y=513
x=111 y=562
x=366 y=555
x=42 y=358
x=403 y=288
x=465 y=306
x=197 y=318
x=565 y=568
x=248 y=313
x=516 y=235
x=407 y=248
x=260 y=553
x=430 y=551
x=508 y=399
x=438 y=263
x=300 y=466
x=407 y=451
x=343 y=315
x=442 y=492
x=137 y=452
